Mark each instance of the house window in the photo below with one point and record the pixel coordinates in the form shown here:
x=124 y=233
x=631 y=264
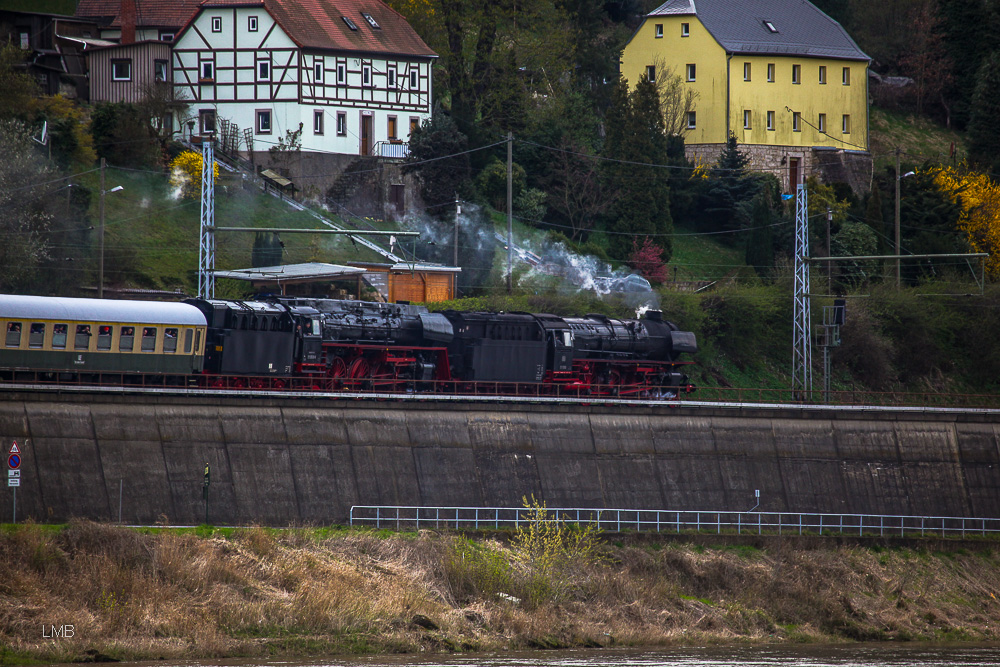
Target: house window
x=414 y=80
x=846 y=77
x=160 y=70
x=390 y=129
x=252 y=23
x=390 y=77
x=318 y=122
x=166 y=36
x=263 y=70
x=207 y=70
x=318 y=71
x=651 y=73
x=746 y=119
x=821 y=123
x=770 y=27
x=366 y=75
x=685 y=29
x=414 y=124
x=341 y=74
x=692 y=120
x=659 y=30
x=371 y=21
x=341 y=123
x=121 y=70
x=822 y=74
x=770 y=120
x=690 y=71
x=216 y=24
x=206 y=120
x=845 y=124
x=350 y=24
x=796 y=73
x=25 y=41
x=746 y=71
x=264 y=122
x=796 y=122
x=770 y=72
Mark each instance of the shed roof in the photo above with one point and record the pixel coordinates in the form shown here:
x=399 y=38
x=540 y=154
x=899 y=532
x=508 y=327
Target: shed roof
x=739 y=27
x=292 y=273
x=409 y=266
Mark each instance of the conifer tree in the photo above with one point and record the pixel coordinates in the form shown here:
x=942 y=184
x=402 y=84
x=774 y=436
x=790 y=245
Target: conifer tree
x=760 y=245
x=983 y=138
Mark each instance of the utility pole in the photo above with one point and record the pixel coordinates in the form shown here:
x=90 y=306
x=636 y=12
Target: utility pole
x=458 y=212
x=898 y=179
x=100 y=239
x=510 y=212
x=829 y=252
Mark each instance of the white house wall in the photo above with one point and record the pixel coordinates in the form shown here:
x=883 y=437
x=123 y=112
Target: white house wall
x=292 y=93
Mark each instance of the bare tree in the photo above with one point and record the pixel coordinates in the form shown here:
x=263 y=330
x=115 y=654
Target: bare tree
x=574 y=188
x=676 y=99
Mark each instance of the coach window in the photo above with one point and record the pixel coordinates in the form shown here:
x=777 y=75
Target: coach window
x=59 y=335
x=148 y=339
x=104 y=333
x=82 y=340
x=126 y=341
x=36 y=336
x=197 y=342
x=187 y=341
x=169 y=341
x=13 y=334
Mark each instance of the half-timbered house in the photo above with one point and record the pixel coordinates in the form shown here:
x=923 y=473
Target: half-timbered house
x=352 y=77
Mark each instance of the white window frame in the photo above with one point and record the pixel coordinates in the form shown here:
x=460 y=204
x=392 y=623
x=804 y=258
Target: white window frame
x=414 y=79
x=259 y=123
x=822 y=75
x=216 y=24
x=116 y=75
x=685 y=30
x=651 y=73
x=747 y=116
x=796 y=74
x=771 y=69
x=318 y=71
x=821 y=123
x=318 y=121
x=166 y=36
x=390 y=76
x=341 y=74
x=746 y=71
x=845 y=123
x=251 y=24
x=341 y=123
x=770 y=121
x=845 y=76
x=658 y=31
x=692 y=120
x=157 y=76
x=210 y=75
x=796 y=121
x=263 y=71
x=366 y=75
x=692 y=71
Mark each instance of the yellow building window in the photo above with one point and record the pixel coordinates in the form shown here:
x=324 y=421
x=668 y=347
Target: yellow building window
x=847 y=76
x=746 y=119
x=821 y=123
x=690 y=72
x=770 y=120
x=692 y=120
x=846 y=124
x=746 y=71
x=659 y=30
x=651 y=73
x=796 y=122
x=796 y=73
x=770 y=72
x=685 y=29
x=822 y=74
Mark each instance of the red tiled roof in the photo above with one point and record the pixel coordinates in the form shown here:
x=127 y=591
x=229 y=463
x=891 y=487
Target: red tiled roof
x=149 y=13
x=318 y=24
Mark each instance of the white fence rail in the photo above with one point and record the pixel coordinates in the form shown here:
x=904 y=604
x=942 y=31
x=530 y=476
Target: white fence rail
x=621 y=520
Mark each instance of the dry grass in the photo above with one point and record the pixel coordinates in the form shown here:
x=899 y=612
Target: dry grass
x=260 y=592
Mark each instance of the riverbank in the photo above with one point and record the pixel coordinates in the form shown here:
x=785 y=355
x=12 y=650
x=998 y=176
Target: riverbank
x=89 y=591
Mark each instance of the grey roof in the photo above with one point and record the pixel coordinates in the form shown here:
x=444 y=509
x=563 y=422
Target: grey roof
x=411 y=266
x=738 y=26
x=292 y=272
x=13 y=306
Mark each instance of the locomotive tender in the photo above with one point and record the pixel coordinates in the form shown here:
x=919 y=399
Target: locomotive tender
x=324 y=344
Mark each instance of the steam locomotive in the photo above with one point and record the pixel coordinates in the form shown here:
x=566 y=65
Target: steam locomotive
x=329 y=345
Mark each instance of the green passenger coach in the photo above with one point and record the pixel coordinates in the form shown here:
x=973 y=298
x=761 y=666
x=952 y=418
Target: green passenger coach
x=91 y=336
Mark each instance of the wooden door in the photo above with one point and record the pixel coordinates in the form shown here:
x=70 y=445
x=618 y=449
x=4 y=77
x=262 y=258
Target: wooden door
x=366 y=135
x=793 y=174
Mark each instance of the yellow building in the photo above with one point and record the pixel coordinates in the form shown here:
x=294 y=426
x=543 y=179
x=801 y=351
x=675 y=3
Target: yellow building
x=781 y=75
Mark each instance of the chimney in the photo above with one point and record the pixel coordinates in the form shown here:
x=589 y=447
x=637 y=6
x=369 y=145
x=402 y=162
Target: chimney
x=127 y=17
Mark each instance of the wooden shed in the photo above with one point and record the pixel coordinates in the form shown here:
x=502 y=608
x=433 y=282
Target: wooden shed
x=414 y=282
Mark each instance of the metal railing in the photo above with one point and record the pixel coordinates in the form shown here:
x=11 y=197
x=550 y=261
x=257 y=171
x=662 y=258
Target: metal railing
x=400 y=517
x=392 y=150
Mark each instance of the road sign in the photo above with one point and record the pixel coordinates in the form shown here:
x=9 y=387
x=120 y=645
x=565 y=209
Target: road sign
x=14 y=461
x=13 y=473
x=14 y=449
x=14 y=481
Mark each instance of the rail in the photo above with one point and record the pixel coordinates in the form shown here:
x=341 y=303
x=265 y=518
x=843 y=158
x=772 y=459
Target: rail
x=672 y=521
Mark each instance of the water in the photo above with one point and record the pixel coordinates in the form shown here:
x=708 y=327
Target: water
x=850 y=655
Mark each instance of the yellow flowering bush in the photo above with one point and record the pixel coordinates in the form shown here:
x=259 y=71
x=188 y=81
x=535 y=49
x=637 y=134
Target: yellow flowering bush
x=185 y=174
x=978 y=198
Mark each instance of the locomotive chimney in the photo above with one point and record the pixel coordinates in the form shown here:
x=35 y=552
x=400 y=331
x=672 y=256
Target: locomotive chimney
x=655 y=315
x=127 y=15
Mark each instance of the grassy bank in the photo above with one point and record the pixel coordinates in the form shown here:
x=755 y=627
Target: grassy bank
x=256 y=592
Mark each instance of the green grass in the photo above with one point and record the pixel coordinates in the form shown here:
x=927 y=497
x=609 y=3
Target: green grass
x=918 y=137
x=703 y=257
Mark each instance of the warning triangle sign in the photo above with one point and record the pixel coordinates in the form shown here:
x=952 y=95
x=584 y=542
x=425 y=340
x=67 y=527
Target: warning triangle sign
x=14 y=449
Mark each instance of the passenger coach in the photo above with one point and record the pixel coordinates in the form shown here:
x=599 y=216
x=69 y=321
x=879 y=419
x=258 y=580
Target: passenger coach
x=88 y=336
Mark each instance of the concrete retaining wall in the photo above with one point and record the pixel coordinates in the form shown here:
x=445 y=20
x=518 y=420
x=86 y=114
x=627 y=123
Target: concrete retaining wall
x=278 y=463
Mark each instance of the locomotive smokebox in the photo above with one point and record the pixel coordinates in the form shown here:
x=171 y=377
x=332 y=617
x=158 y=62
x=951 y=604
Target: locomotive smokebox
x=655 y=315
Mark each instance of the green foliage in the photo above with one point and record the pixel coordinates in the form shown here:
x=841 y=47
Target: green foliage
x=725 y=198
x=492 y=183
x=760 y=243
x=267 y=249
x=123 y=134
x=853 y=239
x=983 y=138
x=441 y=179
x=18 y=88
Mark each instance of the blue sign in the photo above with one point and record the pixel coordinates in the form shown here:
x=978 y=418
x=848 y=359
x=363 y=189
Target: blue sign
x=14 y=461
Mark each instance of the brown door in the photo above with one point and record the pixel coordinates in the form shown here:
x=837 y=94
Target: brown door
x=366 y=135
x=793 y=174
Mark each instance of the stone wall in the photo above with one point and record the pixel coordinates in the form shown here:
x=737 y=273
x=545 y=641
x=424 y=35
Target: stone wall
x=308 y=461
